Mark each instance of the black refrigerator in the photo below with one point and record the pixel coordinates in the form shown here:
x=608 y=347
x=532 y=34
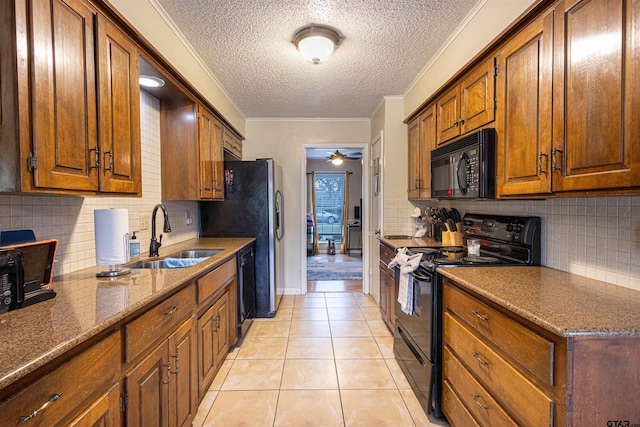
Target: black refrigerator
x=253 y=206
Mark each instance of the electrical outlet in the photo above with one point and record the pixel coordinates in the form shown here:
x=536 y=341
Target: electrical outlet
x=144 y=222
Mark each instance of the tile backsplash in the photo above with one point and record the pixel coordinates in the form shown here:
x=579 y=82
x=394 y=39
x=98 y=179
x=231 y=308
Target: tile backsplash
x=70 y=218
x=597 y=237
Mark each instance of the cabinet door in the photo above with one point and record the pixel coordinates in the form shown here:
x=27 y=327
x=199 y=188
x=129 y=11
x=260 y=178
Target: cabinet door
x=183 y=387
x=104 y=412
x=477 y=89
x=427 y=143
x=206 y=362
x=596 y=101
x=413 y=169
x=211 y=156
x=523 y=121
x=222 y=315
x=63 y=81
x=218 y=160
x=148 y=389
x=119 y=106
x=449 y=115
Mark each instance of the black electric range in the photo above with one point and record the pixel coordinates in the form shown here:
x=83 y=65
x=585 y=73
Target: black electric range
x=504 y=240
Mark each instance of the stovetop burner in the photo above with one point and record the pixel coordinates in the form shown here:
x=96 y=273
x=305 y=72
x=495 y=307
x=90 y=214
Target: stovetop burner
x=445 y=261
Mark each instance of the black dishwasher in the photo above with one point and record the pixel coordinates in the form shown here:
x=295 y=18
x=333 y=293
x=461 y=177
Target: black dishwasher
x=246 y=289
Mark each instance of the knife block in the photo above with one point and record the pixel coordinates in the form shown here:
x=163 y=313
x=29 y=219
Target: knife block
x=452 y=238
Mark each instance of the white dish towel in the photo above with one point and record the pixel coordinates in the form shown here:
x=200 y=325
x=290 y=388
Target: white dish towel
x=407 y=264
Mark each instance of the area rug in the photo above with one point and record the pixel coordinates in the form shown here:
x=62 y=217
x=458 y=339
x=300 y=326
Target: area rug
x=351 y=270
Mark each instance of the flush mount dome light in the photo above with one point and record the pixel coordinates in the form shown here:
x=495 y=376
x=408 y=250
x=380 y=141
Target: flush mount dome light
x=150 y=81
x=317 y=42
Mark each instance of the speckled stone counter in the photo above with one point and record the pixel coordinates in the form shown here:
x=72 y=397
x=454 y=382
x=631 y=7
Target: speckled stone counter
x=415 y=242
x=86 y=305
x=563 y=303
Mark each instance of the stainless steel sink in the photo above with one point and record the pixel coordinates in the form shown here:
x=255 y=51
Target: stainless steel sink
x=196 y=253
x=180 y=260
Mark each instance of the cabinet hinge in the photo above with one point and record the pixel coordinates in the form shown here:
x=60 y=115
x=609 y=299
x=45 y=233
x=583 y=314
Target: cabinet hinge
x=496 y=69
x=124 y=402
x=31 y=162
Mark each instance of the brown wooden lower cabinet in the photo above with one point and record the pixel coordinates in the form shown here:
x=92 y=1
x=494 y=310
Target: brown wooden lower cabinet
x=501 y=369
x=387 y=287
x=62 y=393
x=183 y=403
x=213 y=341
x=104 y=412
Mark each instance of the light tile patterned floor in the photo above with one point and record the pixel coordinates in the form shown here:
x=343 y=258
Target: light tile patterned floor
x=324 y=360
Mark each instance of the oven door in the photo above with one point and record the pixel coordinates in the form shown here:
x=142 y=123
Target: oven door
x=419 y=325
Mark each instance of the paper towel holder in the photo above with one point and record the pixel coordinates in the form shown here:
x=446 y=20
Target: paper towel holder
x=114 y=271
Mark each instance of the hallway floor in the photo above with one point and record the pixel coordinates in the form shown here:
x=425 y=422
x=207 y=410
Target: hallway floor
x=326 y=359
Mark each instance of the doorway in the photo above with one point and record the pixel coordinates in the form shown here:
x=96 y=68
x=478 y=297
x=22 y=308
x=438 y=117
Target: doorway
x=334 y=211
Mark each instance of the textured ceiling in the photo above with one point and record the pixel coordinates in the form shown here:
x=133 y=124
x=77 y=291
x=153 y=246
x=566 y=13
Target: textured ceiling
x=247 y=45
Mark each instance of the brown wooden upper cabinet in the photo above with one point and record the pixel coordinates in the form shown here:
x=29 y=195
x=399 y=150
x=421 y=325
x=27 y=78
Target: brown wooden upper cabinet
x=568 y=96
x=596 y=103
x=523 y=117
x=422 y=139
x=232 y=144
x=211 y=155
x=468 y=105
x=67 y=135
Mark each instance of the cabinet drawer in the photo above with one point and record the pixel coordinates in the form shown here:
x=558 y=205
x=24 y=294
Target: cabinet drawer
x=386 y=254
x=532 y=351
x=527 y=404
x=210 y=283
x=480 y=403
x=157 y=322
x=78 y=381
x=456 y=413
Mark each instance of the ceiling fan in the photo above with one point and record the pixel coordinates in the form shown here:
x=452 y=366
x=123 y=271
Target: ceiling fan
x=337 y=158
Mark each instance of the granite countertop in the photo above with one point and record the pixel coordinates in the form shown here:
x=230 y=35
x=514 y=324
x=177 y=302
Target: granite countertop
x=563 y=303
x=86 y=305
x=425 y=242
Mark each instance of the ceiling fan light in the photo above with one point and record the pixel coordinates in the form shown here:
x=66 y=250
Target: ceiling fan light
x=337 y=161
x=316 y=43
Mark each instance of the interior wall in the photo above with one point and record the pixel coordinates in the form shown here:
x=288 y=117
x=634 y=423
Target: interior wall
x=70 y=218
x=283 y=141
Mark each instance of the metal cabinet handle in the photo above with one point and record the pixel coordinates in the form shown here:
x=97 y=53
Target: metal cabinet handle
x=173 y=310
x=456 y=123
x=540 y=156
x=217 y=323
x=168 y=366
x=175 y=357
x=461 y=121
x=110 y=154
x=96 y=153
x=52 y=398
x=480 y=405
x=480 y=316
x=555 y=167
x=477 y=356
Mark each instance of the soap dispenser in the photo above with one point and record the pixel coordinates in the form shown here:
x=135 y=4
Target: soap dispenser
x=134 y=246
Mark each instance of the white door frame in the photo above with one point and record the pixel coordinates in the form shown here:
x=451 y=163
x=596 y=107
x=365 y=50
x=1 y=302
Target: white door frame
x=364 y=215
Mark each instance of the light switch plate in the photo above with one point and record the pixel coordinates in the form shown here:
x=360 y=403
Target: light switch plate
x=144 y=222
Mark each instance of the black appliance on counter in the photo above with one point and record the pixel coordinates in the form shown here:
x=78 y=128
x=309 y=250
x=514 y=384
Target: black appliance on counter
x=246 y=289
x=504 y=240
x=253 y=206
x=465 y=168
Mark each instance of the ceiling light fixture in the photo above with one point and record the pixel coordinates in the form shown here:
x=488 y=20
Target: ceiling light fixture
x=317 y=42
x=150 y=81
x=337 y=158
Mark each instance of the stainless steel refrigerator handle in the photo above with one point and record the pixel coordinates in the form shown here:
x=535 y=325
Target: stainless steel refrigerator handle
x=279 y=216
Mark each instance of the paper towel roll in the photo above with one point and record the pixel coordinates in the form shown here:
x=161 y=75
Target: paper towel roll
x=112 y=236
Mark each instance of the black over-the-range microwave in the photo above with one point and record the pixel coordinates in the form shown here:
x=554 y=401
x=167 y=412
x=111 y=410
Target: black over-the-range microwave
x=465 y=168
